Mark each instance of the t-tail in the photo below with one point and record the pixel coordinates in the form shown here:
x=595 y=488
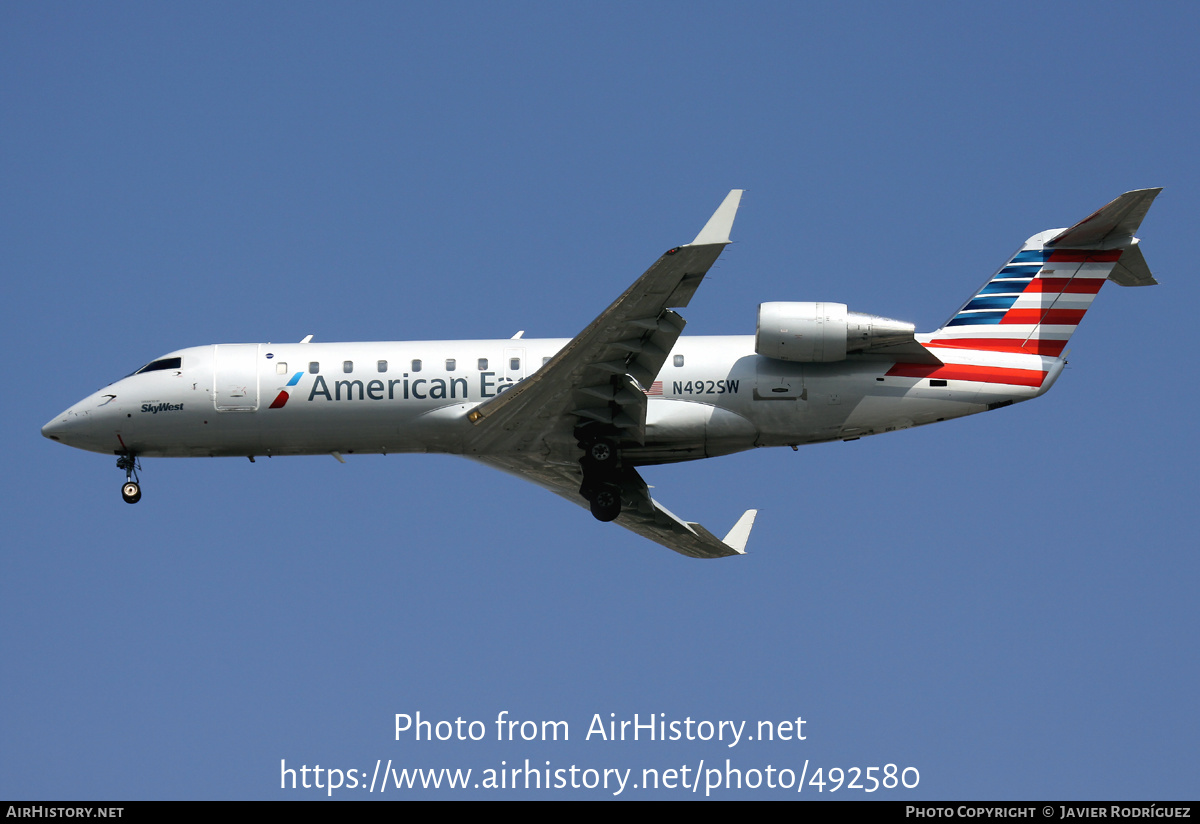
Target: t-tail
x=1033 y=304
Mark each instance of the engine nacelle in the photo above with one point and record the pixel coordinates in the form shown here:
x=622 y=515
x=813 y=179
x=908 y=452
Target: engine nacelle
x=822 y=332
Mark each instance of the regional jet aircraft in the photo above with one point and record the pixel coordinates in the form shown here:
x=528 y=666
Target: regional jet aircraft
x=581 y=416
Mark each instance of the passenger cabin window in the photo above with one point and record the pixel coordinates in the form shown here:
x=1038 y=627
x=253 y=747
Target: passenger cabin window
x=348 y=366
x=679 y=360
x=416 y=365
x=482 y=364
x=381 y=366
x=314 y=368
x=450 y=364
x=160 y=365
x=514 y=364
x=280 y=368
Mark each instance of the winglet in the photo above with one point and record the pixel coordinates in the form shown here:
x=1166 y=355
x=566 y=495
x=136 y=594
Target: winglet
x=721 y=223
x=737 y=537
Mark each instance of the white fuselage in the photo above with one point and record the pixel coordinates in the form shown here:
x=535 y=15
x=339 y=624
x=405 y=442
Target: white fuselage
x=713 y=396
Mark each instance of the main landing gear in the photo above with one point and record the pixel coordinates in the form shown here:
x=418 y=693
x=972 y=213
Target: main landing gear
x=131 y=491
x=601 y=460
x=606 y=502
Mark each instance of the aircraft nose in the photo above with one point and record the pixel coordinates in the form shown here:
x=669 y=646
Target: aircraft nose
x=89 y=424
x=72 y=427
x=58 y=427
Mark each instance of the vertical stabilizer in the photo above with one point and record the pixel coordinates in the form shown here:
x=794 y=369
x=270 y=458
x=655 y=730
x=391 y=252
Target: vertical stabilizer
x=1037 y=299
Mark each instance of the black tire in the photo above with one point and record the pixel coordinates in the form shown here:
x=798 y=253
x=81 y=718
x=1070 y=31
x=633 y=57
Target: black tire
x=602 y=453
x=131 y=492
x=606 y=503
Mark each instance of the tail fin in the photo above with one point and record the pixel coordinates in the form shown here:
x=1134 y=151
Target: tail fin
x=1033 y=304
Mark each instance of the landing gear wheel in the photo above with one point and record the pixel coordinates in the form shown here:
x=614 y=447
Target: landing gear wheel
x=131 y=491
x=606 y=503
x=602 y=453
x=599 y=445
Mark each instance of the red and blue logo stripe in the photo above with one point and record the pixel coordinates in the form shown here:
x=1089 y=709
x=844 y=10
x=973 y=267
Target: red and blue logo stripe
x=282 y=397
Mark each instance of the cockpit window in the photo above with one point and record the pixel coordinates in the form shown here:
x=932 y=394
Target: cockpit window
x=159 y=365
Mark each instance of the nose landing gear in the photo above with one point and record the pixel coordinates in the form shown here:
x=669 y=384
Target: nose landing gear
x=131 y=491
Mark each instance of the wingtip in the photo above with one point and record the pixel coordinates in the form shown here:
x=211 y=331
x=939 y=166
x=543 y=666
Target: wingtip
x=737 y=537
x=721 y=223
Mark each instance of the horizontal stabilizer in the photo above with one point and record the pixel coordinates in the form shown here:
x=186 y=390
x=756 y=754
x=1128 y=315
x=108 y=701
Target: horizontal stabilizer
x=1131 y=269
x=1111 y=227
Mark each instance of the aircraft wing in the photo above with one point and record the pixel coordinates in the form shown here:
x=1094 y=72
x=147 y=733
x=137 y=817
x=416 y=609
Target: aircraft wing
x=647 y=517
x=601 y=377
x=589 y=379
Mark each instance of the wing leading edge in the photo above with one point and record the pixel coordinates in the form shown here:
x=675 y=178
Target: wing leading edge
x=598 y=379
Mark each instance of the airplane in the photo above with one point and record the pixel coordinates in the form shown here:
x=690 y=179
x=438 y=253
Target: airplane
x=579 y=417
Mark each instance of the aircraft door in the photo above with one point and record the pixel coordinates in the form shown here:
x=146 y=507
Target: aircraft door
x=235 y=377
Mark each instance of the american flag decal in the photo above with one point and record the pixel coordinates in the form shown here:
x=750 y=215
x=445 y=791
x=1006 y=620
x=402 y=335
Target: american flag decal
x=655 y=389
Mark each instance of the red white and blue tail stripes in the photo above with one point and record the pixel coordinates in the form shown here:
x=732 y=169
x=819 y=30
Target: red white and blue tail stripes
x=1033 y=304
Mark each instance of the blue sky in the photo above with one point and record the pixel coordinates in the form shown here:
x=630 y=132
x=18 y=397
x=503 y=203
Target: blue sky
x=1005 y=603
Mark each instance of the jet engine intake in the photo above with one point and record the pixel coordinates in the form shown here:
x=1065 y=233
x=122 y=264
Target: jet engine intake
x=806 y=332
